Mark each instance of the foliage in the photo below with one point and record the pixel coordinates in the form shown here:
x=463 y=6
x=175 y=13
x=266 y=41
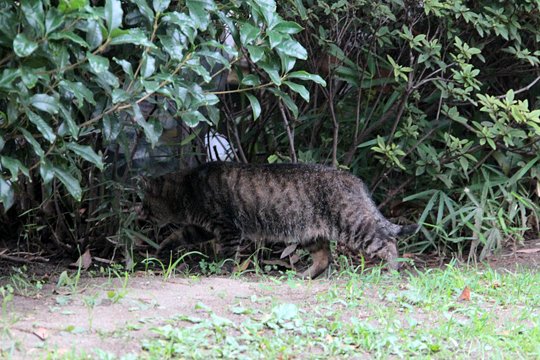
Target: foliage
x=423 y=99
x=84 y=80
x=429 y=99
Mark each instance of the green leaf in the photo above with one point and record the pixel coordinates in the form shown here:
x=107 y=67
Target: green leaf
x=255 y=52
x=66 y=6
x=152 y=128
x=7 y=78
x=7 y=195
x=523 y=171
x=304 y=75
x=119 y=95
x=113 y=14
x=45 y=103
x=292 y=48
x=87 y=153
x=275 y=38
x=285 y=312
x=145 y=10
x=46 y=171
x=72 y=126
x=272 y=70
x=14 y=166
x=204 y=99
x=135 y=36
x=300 y=8
x=69 y=35
x=160 y=5
x=287 y=62
x=300 y=89
x=289 y=103
x=111 y=127
x=193 y=118
x=79 y=90
x=150 y=86
x=199 y=12
x=53 y=20
x=35 y=145
x=172 y=46
x=251 y=80
x=268 y=10
x=287 y=27
x=94 y=33
x=34 y=14
x=199 y=69
x=255 y=106
x=71 y=183
x=29 y=77
x=42 y=126
x=98 y=64
x=148 y=66
x=22 y=46
x=126 y=66
x=510 y=96
x=109 y=79
x=186 y=24
x=248 y=33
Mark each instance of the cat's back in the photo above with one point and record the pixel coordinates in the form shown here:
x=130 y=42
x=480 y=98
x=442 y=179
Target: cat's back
x=287 y=185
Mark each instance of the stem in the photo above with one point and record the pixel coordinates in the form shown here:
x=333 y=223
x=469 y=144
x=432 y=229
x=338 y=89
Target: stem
x=289 y=133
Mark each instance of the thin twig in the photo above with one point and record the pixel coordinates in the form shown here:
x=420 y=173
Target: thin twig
x=290 y=136
x=21 y=260
x=526 y=88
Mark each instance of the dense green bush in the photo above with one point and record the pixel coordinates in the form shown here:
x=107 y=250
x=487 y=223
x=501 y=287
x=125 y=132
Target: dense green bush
x=84 y=78
x=435 y=102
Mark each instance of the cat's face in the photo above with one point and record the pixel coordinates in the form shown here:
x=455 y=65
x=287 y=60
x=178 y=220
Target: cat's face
x=155 y=205
x=384 y=247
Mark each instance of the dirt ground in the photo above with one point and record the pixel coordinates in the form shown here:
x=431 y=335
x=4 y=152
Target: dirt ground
x=47 y=323
x=87 y=319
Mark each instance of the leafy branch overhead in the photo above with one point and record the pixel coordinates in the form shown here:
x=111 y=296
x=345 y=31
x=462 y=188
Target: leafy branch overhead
x=74 y=70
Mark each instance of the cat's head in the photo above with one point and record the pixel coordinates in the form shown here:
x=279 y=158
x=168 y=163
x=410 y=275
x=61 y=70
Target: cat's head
x=155 y=204
x=384 y=243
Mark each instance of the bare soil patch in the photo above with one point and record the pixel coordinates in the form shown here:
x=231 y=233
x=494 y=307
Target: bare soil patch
x=46 y=322
x=88 y=319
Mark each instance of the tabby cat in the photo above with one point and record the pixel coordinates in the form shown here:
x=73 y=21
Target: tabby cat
x=287 y=203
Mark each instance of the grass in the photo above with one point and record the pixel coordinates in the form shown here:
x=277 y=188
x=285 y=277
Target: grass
x=366 y=314
x=377 y=315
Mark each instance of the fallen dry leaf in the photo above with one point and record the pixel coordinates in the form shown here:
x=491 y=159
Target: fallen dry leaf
x=84 y=261
x=465 y=294
x=294 y=259
x=243 y=266
x=288 y=251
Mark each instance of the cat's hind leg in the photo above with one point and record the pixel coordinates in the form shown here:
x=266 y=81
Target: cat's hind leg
x=321 y=257
x=184 y=237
